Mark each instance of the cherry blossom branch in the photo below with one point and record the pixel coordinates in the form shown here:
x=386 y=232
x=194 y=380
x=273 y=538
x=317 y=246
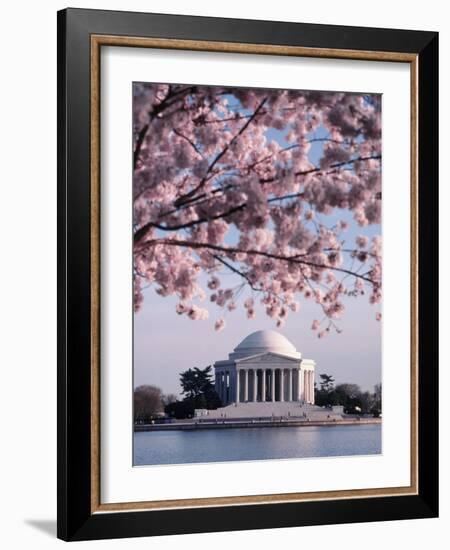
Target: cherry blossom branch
x=240 y=117
x=326 y=171
x=246 y=277
x=238 y=272
x=143 y=230
x=170 y=98
x=293 y=146
x=191 y=143
x=139 y=141
x=332 y=166
x=325 y=312
x=140 y=247
x=181 y=199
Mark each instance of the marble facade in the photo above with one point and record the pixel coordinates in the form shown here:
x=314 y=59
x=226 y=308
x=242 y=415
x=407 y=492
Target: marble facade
x=265 y=367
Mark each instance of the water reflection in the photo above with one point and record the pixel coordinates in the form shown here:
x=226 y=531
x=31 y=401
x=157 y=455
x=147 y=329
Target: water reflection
x=182 y=447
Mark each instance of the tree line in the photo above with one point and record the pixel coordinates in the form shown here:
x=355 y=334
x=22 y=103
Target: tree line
x=350 y=396
x=198 y=392
x=197 y=389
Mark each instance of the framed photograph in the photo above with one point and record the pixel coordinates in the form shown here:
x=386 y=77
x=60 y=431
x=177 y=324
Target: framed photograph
x=248 y=299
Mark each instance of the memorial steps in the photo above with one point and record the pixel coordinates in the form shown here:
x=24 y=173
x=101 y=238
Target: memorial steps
x=270 y=409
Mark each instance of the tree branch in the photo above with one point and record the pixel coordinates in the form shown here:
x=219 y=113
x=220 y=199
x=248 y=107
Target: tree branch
x=139 y=234
x=238 y=272
x=139 y=142
x=191 y=143
x=332 y=167
x=167 y=102
x=181 y=199
x=234 y=250
x=329 y=170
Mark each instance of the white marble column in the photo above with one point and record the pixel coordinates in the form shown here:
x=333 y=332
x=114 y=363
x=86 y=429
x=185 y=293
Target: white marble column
x=272 y=384
x=300 y=385
x=255 y=385
x=290 y=386
x=246 y=385
x=263 y=386
x=223 y=382
x=305 y=386
x=281 y=384
x=238 y=387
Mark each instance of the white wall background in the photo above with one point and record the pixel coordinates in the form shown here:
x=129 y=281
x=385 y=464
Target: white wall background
x=28 y=274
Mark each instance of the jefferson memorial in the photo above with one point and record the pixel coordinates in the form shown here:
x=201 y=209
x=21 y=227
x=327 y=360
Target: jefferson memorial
x=265 y=367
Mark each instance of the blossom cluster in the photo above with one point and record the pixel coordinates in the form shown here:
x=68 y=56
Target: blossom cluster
x=215 y=192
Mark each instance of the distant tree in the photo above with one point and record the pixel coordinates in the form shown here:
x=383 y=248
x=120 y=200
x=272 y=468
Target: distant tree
x=196 y=382
x=324 y=396
x=350 y=396
x=198 y=388
x=349 y=391
x=213 y=400
x=367 y=402
x=326 y=383
x=147 y=403
x=180 y=409
x=377 y=407
x=169 y=398
x=377 y=394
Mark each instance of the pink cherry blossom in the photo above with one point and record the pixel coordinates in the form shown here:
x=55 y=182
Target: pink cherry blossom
x=195 y=312
x=219 y=324
x=213 y=283
x=362 y=241
x=215 y=194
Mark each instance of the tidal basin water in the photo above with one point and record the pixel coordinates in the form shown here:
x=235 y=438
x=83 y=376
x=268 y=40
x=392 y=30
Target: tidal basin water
x=182 y=447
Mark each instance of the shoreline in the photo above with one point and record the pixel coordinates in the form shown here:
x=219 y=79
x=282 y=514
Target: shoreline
x=222 y=424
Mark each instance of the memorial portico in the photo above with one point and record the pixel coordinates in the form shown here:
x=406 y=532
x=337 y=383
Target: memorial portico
x=265 y=366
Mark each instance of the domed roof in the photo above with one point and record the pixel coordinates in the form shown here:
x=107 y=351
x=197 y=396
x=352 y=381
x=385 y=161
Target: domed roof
x=263 y=341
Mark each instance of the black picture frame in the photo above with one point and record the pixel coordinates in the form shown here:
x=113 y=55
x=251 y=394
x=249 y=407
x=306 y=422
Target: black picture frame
x=76 y=520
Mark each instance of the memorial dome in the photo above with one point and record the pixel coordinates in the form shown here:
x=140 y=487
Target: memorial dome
x=264 y=341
